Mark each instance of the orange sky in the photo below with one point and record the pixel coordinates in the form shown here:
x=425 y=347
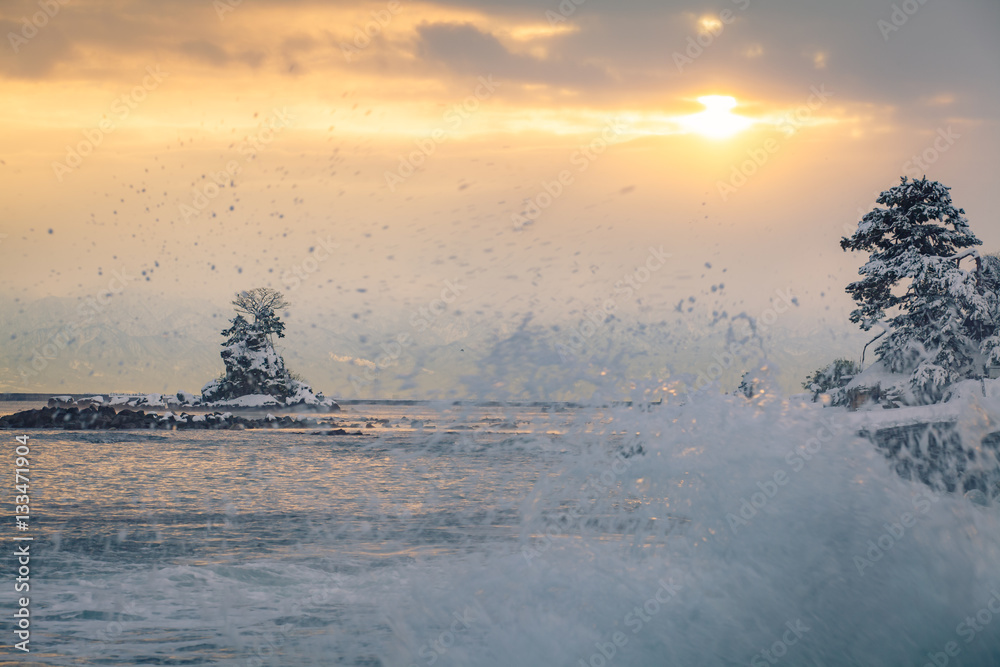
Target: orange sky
x=423 y=150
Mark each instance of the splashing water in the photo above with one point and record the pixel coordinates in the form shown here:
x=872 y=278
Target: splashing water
x=724 y=531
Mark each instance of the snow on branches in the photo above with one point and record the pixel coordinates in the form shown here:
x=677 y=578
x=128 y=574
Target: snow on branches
x=253 y=365
x=942 y=318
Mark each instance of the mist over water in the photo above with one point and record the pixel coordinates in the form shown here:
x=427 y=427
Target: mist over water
x=697 y=533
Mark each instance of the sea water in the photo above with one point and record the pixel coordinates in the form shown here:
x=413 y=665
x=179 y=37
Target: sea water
x=721 y=531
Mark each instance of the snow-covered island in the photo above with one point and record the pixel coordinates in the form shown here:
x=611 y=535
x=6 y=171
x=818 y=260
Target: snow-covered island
x=255 y=375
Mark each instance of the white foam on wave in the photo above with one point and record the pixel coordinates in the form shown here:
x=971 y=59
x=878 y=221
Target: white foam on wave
x=603 y=538
x=697 y=534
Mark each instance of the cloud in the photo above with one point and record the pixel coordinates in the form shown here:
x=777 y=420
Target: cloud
x=32 y=58
x=356 y=361
x=215 y=55
x=605 y=55
x=464 y=49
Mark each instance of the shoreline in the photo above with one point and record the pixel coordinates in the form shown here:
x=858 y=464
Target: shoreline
x=17 y=397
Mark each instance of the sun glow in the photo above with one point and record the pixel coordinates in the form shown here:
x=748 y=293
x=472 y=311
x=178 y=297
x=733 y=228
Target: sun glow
x=717 y=120
x=710 y=24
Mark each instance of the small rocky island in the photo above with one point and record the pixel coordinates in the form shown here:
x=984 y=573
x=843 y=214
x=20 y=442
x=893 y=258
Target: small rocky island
x=255 y=374
x=255 y=379
x=107 y=418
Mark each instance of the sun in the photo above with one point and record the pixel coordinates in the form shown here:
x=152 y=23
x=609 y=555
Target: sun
x=717 y=120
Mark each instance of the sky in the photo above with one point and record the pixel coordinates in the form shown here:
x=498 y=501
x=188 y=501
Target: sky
x=477 y=179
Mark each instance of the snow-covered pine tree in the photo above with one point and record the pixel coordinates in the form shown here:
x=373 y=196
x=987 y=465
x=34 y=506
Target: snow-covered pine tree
x=938 y=314
x=990 y=284
x=832 y=380
x=991 y=272
x=253 y=366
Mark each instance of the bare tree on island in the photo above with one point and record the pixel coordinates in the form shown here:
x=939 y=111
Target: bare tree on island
x=253 y=365
x=261 y=304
